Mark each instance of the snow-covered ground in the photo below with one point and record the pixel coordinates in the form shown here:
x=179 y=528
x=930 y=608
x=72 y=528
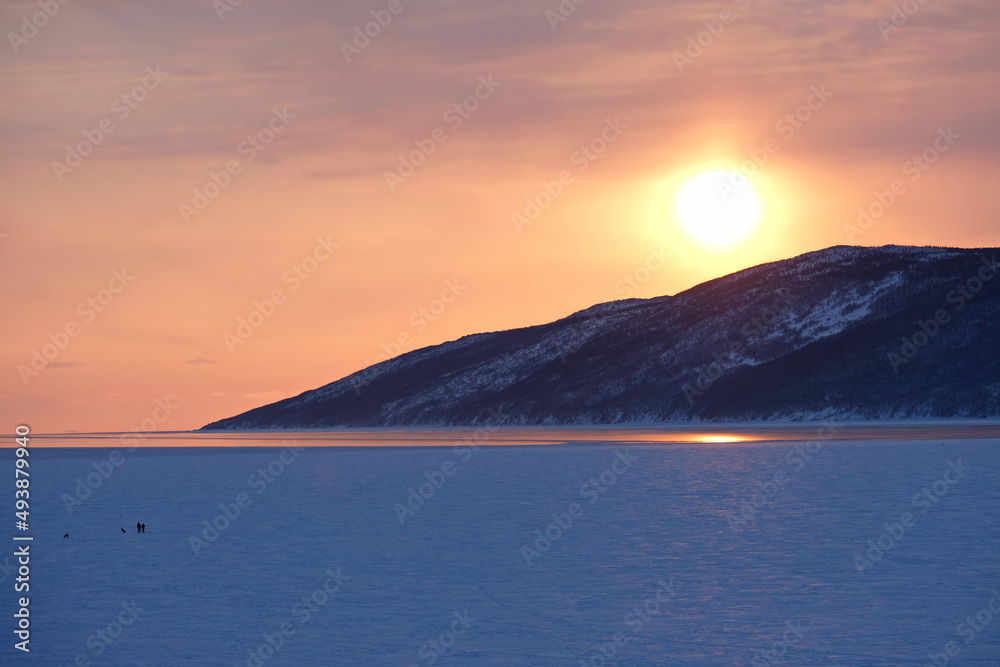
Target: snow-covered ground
x=602 y=552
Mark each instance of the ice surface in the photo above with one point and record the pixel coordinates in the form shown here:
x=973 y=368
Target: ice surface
x=669 y=516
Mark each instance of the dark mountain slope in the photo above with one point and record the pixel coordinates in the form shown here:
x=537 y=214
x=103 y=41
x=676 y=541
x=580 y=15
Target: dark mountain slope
x=802 y=338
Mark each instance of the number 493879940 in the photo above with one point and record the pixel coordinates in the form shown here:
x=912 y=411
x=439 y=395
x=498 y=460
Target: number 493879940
x=21 y=476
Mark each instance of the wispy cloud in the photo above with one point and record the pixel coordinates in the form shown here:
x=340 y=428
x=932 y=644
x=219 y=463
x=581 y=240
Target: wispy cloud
x=264 y=395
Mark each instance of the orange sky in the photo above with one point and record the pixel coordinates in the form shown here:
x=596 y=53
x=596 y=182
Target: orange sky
x=162 y=96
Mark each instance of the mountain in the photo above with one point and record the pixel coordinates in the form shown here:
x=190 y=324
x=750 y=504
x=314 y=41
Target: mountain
x=847 y=332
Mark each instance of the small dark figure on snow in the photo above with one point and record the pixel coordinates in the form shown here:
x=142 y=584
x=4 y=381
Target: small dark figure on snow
x=138 y=527
x=66 y=535
x=124 y=531
x=142 y=528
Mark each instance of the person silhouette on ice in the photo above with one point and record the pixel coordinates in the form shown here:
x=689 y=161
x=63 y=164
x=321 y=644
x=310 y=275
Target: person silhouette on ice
x=138 y=527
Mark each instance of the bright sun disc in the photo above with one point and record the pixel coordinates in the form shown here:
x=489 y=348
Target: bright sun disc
x=719 y=208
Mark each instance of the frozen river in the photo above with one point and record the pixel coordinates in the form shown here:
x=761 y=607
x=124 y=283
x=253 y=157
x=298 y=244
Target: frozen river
x=750 y=546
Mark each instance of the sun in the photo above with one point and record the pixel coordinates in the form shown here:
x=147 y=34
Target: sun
x=718 y=208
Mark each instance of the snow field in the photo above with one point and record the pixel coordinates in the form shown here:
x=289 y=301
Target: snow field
x=606 y=553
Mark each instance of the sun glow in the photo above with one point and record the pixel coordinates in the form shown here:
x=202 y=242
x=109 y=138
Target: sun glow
x=719 y=209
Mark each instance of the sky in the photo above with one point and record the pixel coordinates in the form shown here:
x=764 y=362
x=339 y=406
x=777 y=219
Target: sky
x=208 y=206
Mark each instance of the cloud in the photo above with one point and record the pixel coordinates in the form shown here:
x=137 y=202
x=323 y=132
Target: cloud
x=202 y=360
x=264 y=395
x=602 y=59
